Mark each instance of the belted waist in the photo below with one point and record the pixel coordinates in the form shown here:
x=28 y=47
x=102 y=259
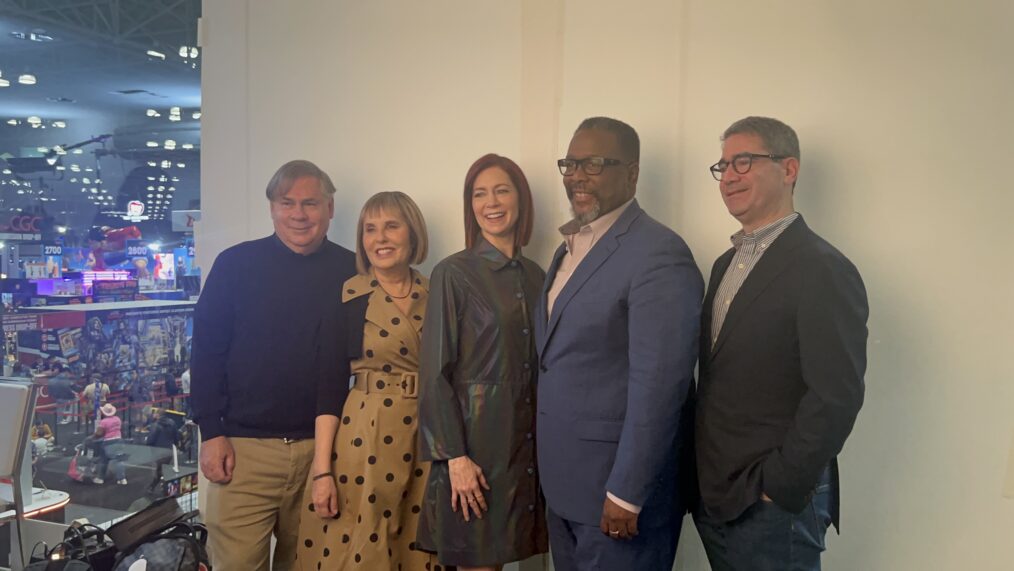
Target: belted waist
x=404 y=384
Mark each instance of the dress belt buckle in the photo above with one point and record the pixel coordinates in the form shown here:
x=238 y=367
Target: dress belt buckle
x=410 y=385
x=290 y=440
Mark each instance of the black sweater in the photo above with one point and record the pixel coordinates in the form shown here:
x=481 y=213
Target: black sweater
x=269 y=337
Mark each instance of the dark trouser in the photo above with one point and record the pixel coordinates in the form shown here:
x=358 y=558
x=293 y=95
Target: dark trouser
x=768 y=538
x=579 y=547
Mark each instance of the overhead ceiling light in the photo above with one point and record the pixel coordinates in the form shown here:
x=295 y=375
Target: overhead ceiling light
x=152 y=163
x=181 y=165
x=60 y=124
x=77 y=151
x=13 y=122
x=165 y=165
x=6 y=171
x=151 y=113
x=151 y=144
x=59 y=150
x=26 y=79
x=33 y=120
x=193 y=52
x=170 y=144
x=42 y=149
x=175 y=118
x=187 y=146
x=196 y=115
x=5 y=83
x=157 y=54
x=61 y=168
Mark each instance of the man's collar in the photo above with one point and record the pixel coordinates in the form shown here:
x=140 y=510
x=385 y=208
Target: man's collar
x=764 y=233
x=285 y=248
x=598 y=226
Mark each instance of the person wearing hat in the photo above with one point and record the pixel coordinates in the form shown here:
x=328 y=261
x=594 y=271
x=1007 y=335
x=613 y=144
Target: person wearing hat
x=109 y=432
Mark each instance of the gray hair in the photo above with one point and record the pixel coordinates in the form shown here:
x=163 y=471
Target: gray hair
x=291 y=171
x=626 y=136
x=778 y=138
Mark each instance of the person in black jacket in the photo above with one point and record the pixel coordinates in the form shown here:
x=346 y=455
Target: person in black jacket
x=783 y=354
x=267 y=341
x=162 y=433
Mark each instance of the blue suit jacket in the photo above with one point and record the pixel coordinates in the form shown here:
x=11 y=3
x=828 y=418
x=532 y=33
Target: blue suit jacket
x=617 y=359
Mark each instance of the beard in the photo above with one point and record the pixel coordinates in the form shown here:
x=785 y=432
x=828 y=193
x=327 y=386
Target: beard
x=588 y=216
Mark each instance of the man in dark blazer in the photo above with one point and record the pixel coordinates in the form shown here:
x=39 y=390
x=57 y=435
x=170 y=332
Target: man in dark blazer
x=616 y=328
x=783 y=354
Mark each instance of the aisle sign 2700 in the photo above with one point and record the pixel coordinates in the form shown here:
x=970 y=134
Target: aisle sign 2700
x=52 y=250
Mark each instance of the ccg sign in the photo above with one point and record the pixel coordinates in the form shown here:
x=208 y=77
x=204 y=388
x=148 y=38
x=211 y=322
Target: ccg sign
x=24 y=223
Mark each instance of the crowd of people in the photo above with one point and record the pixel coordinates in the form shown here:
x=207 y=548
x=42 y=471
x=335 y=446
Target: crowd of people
x=100 y=404
x=367 y=417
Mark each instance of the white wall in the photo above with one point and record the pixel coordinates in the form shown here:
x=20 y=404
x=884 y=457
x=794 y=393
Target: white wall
x=903 y=111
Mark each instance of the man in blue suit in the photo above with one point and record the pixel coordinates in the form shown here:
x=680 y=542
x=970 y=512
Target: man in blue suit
x=617 y=329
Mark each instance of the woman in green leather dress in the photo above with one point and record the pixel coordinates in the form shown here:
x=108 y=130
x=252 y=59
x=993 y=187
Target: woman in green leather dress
x=483 y=507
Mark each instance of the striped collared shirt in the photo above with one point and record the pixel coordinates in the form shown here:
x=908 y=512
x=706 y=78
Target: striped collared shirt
x=749 y=249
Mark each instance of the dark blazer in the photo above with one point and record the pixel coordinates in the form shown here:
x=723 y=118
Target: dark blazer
x=616 y=359
x=780 y=390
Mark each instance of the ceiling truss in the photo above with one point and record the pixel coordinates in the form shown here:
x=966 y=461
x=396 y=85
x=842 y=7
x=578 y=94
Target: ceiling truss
x=164 y=25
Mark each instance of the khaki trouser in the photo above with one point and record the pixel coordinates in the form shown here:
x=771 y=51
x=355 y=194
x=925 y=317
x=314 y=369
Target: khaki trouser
x=262 y=499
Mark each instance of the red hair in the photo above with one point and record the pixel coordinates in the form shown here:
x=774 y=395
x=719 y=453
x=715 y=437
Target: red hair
x=526 y=210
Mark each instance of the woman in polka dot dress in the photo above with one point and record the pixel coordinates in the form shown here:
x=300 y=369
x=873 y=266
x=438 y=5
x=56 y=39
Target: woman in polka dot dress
x=365 y=488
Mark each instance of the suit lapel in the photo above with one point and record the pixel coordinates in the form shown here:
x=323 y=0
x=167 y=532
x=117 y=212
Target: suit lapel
x=591 y=263
x=541 y=317
x=707 y=310
x=774 y=261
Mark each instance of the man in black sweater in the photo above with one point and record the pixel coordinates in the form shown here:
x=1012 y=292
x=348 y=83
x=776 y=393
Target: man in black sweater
x=267 y=359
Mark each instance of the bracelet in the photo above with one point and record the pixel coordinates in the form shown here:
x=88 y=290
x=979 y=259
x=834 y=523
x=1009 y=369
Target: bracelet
x=324 y=475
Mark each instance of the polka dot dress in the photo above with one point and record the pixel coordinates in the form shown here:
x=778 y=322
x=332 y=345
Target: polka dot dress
x=380 y=480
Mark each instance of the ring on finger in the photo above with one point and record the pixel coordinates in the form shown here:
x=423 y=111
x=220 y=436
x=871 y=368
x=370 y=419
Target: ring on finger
x=614 y=532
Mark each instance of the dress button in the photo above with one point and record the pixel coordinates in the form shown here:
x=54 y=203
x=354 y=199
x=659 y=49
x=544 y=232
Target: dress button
x=528 y=400
x=524 y=331
x=529 y=436
x=531 y=471
x=526 y=366
x=519 y=295
x=531 y=507
x=514 y=263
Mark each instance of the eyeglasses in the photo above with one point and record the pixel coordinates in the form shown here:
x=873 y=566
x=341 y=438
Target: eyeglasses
x=590 y=165
x=741 y=163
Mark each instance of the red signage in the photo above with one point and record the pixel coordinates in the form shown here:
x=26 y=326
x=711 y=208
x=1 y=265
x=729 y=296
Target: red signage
x=23 y=223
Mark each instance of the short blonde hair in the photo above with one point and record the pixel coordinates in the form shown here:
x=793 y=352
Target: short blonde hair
x=399 y=203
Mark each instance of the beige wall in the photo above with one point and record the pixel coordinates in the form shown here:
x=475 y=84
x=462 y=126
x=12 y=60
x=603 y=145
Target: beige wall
x=903 y=111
